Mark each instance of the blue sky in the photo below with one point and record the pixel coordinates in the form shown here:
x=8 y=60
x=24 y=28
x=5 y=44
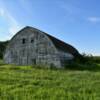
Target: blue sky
x=76 y=22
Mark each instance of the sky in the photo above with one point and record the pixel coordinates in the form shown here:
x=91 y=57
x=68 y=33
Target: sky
x=76 y=22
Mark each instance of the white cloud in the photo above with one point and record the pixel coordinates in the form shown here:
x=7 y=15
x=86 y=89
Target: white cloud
x=68 y=7
x=14 y=29
x=1 y=12
x=94 y=19
x=14 y=26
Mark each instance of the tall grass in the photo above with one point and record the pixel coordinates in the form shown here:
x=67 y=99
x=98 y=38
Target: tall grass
x=32 y=83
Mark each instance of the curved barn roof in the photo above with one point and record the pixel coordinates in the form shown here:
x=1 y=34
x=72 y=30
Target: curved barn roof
x=58 y=43
x=63 y=46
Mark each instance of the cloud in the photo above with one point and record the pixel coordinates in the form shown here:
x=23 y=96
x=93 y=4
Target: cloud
x=1 y=12
x=14 y=26
x=94 y=19
x=68 y=7
x=14 y=29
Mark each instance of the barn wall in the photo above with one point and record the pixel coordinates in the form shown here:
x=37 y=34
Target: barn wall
x=31 y=47
x=65 y=57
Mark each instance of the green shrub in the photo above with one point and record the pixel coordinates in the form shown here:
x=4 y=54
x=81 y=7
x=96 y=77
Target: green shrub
x=2 y=48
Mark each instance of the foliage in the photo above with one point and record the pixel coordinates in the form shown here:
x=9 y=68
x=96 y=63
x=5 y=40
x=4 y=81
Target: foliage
x=2 y=48
x=82 y=67
x=32 y=83
x=84 y=62
x=96 y=59
x=88 y=58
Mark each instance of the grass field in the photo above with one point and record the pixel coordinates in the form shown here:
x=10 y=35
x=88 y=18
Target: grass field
x=28 y=83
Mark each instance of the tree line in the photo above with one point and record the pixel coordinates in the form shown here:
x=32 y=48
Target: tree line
x=2 y=48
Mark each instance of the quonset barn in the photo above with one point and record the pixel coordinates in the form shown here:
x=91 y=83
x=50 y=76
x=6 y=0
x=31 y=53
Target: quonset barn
x=31 y=46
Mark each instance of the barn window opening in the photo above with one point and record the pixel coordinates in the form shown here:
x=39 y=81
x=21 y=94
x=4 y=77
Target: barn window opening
x=32 y=40
x=41 y=36
x=23 y=41
x=34 y=61
x=49 y=43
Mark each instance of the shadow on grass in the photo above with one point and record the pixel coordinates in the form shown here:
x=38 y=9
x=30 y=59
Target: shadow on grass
x=83 y=67
x=2 y=64
x=74 y=66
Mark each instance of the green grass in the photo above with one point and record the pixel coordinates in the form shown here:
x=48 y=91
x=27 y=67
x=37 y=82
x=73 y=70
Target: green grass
x=28 y=83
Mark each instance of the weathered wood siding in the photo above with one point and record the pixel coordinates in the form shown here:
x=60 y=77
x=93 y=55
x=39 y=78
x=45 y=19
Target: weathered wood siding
x=30 y=47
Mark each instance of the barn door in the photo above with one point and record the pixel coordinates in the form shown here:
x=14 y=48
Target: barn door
x=34 y=61
x=24 y=61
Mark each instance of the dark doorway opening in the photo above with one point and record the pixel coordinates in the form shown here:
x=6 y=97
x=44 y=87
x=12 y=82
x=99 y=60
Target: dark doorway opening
x=34 y=61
